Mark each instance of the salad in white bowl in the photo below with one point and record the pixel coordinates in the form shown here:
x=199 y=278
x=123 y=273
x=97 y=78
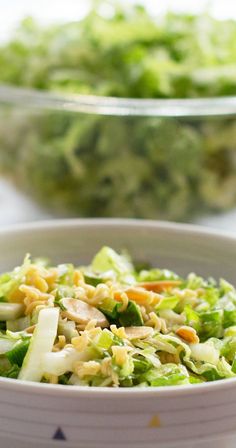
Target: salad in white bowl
x=114 y=324
x=143 y=357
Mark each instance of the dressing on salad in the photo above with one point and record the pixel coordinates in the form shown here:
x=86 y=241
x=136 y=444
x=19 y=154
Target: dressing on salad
x=115 y=324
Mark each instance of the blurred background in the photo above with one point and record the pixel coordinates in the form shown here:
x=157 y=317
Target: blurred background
x=118 y=109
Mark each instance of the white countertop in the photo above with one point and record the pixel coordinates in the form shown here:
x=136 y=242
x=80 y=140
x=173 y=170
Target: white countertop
x=15 y=208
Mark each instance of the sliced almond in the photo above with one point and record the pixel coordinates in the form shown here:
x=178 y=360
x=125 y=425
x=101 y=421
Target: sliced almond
x=82 y=312
x=138 y=295
x=159 y=286
x=31 y=329
x=141 y=332
x=189 y=334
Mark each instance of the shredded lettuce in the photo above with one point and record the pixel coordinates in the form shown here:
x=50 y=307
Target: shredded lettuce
x=11 y=280
x=167 y=375
x=205 y=352
x=6 y=344
x=156 y=274
x=167 y=303
x=108 y=260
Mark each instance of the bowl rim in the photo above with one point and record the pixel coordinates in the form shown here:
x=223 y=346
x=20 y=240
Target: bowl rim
x=224 y=106
x=67 y=390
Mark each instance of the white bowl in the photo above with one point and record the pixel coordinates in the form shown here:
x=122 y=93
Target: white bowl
x=42 y=415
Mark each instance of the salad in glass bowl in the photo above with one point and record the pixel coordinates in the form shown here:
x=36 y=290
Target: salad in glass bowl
x=122 y=114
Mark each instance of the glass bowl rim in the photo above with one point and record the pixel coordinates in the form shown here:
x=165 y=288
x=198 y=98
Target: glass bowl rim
x=112 y=106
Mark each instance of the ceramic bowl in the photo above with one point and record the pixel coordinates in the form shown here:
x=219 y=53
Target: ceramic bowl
x=42 y=415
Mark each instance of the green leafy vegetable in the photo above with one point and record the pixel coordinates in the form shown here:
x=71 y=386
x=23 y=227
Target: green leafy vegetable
x=111 y=309
x=168 y=375
x=211 y=324
x=11 y=372
x=229 y=318
x=92 y=279
x=17 y=354
x=11 y=280
x=131 y=316
x=108 y=260
x=167 y=303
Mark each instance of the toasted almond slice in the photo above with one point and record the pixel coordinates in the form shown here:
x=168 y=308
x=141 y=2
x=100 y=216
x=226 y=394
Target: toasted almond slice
x=138 y=295
x=82 y=312
x=159 y=286
x=138 y=332
x=189 y=334
x=31 y=329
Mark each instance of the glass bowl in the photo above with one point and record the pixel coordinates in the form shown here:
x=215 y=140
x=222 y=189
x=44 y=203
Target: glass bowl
x=97 y=156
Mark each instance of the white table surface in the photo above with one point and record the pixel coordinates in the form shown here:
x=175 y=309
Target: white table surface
x=15 y=207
